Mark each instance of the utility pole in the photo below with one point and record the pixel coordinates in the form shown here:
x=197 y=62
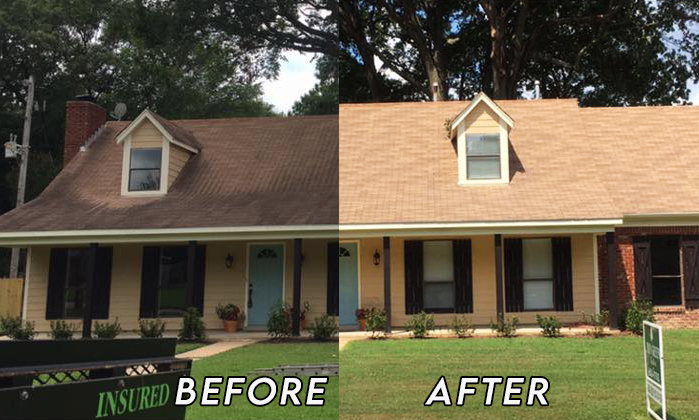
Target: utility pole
x=23 y=162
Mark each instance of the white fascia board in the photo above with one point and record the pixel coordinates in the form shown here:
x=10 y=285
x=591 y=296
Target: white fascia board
x=481 y=97
x=111 y=236
x=146 y=114
x=479 y=228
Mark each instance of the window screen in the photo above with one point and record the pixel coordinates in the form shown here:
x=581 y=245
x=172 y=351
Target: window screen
x=665 y=266
x=483 y=156
x=537 y=261
x=438 y=283
x=144 y=172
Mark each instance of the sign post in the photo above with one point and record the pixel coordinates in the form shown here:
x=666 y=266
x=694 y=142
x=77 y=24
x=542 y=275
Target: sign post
x=655 y=369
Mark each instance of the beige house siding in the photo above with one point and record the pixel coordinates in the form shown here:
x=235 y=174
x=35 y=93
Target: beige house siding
x=178 y=158
x=146 y=136
x=484 y=293
x=482 y=120
x=222 y=285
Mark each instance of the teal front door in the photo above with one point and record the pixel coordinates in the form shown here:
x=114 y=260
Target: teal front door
x=349 y=284
x=265 y=281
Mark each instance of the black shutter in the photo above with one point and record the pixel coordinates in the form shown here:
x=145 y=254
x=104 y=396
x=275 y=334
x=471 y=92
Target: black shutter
x=413 y=277
x=199 y=278
x=103 y=284
x=55 y=297
x=643 y=271
x=150 y=277
x=463 y=283
x=690 y=270
x=562 y=274
x=333 y=286
x=514 y=288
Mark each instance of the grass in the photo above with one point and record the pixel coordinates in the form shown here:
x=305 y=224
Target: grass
x=185 y=347
x=241 y=361
x=590 y=378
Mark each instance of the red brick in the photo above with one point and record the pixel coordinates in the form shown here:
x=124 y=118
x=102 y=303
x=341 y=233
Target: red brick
x=83 y=118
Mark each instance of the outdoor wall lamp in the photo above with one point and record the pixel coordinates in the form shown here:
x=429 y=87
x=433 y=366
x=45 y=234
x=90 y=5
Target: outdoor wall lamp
x=377 y=258
x=229 y=260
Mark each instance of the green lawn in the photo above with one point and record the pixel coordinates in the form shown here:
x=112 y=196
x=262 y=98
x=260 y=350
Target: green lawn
x=241 y=361
x=590 y=378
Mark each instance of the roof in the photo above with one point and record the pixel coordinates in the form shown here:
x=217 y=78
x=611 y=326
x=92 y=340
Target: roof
x=170 y=130
x=249 y=172
x=480 y=98
x=398 y=165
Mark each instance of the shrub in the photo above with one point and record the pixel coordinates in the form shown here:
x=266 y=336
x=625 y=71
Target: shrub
x=637 y=312
x=323 y=328
x=9 y=324
x=462 y=327
x=376 y=322
x=550 y=325
x=279 y=320
x=505 y=327
x=361 y=313
x=420 y=324
x=597 y=323
x=107 y=329
x=151 y=328
x=61 y=330
x=228 y=312
x=193 y=327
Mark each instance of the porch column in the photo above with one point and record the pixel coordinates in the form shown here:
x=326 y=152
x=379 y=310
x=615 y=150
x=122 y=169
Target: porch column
x=89 y=287
x=387 y=280
x=296 y=313
x=498 y=276
x=611 y=277
x=191 y=263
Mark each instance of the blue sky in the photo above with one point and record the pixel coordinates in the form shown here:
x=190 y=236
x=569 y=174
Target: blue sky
x=296 y=77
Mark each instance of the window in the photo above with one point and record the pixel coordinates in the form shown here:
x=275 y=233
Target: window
x=483 y=156
x=438 y=279
x=76 y=282
x=665 y=266
x=172 y=293
x=537 y=267
x=144 y=170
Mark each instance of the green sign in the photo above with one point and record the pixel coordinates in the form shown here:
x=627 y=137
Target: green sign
x=655 y=370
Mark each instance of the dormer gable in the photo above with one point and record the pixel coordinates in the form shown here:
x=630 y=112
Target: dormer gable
x=154 y=152
x=482 y=142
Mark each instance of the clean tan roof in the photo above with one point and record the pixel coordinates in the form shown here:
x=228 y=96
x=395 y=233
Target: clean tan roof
x=397 y=164
x=249 y=172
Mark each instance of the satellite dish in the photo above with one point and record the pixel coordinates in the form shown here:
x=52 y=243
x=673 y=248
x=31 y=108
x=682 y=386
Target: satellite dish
x=119 y=111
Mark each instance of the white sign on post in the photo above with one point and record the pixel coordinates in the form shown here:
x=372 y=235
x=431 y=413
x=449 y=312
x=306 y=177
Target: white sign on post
x=655 y=368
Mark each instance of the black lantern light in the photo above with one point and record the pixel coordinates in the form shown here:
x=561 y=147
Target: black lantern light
x=377 y=258
x=229 y=261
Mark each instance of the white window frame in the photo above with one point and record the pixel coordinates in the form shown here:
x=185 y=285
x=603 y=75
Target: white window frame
x=461 y=147
x=164 y=170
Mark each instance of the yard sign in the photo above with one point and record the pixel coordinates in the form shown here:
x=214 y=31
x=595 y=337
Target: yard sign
x=655 y=368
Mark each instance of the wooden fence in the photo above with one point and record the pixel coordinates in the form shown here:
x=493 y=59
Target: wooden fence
x=11 y=297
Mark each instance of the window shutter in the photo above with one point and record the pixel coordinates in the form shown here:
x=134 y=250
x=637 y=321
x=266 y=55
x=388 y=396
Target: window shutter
x=690 y=270
x=562 y=274
x=514 y=289
x=150 y=277
x=103 y=283
x=463 y=283
x=55 y=297
x=642 y=268
x=199 y=278
x=413 y=277
x=333 y=286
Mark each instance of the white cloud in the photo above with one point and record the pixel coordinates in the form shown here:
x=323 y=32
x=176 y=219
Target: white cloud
x=296 y=77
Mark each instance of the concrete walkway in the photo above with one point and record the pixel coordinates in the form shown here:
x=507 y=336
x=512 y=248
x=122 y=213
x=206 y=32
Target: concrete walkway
x=219 y=347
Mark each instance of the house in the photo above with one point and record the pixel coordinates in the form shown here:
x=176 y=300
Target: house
x=518 y=207
x=151 y=216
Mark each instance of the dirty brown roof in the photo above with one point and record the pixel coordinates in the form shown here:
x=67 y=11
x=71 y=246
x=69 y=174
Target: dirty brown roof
x=178 y=133
x=566 y=163
x=249 y=172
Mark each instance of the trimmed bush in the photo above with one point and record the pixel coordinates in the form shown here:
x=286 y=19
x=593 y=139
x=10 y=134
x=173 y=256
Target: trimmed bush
x=462 y=327
x=62 y=330
x=636 y=312
x=9 y=324
x=597 y=323
x=506 y=328
x=107 y=329
x=323 y=328
x=279 y=320
x=550 y=326
x=151 y=328
x=420 y=324
x=193 y=327
x=376 y=322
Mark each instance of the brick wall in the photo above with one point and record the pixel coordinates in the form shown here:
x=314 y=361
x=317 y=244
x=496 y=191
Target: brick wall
x=625 y=280
x=83 y=118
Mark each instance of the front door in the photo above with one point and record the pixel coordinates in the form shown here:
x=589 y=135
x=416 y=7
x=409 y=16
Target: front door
x=349 y=285
x=265 y=281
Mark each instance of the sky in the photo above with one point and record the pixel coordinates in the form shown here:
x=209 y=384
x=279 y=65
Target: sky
x=296 y=77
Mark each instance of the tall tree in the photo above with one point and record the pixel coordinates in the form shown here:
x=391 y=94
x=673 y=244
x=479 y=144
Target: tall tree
x=322 y=99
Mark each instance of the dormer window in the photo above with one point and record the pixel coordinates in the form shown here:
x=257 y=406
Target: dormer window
x=482 y=142
x=144 y=171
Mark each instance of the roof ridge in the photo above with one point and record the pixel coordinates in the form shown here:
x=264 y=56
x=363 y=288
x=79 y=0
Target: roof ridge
x=360 y=104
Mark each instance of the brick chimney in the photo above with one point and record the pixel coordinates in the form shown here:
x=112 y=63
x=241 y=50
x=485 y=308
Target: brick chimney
x=83 y=118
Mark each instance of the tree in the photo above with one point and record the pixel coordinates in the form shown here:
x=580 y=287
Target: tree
x=323 y=98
